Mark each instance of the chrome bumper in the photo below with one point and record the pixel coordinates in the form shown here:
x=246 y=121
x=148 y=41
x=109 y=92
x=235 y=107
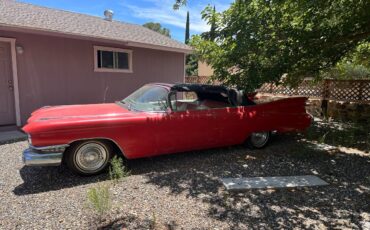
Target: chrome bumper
x=34 y=156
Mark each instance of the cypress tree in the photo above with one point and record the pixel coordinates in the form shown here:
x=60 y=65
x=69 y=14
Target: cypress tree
x=187 y=30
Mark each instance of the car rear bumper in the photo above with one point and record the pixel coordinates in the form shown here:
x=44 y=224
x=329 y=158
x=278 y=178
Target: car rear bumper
x=45 y=156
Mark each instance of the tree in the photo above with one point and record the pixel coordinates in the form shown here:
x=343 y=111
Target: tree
x=191 y=59
x=355 y=65
x=191 y=65
x=211 y=34
x=187 y=29
x=178 y=4
x=157 y=27
x=258 y=41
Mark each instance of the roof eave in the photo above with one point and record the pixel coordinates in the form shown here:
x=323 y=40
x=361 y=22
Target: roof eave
x=157 y=47
x=25 y=29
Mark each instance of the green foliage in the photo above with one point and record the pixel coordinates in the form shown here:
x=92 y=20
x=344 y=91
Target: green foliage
x=191 y=65
x=322 y=139
x=187 y=29
x=157 y=27
x=99 y=199
x=257 y=41
x=347 y=71
x=211 y=17
x=117 y=170
x=355 y=65
x=178 y=4
x=154 y=223
x=191 y=59
x=361 y=55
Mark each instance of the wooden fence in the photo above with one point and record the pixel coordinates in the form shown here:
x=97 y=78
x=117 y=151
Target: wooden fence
x=339 y=90
x=200 y=80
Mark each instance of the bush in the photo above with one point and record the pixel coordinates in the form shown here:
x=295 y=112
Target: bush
x=99 y=199
x=355 y=65
x=117 y=170
x=348 y=71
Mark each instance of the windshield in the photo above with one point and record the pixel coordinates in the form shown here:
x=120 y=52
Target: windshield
x=148 y=98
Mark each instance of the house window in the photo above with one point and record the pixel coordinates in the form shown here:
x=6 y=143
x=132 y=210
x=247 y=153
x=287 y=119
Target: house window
x=112 y=60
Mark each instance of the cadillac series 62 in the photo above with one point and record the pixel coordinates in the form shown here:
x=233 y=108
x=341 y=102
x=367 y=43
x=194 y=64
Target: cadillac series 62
x=156 y=119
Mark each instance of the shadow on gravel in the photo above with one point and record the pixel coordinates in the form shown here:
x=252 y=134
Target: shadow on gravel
x=133 y=222
x=44 y=179
x=341 y=204
x=345 y=134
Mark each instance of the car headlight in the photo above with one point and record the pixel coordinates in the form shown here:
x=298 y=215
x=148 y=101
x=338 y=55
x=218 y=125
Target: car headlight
x=29 y=139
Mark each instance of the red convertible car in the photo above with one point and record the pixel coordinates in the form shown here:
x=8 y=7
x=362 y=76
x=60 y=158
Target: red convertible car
x=156 y=119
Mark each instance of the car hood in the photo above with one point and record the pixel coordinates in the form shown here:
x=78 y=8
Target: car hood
x=78 y=112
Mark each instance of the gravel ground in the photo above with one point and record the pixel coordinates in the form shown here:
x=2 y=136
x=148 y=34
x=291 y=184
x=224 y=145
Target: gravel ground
x=183 y=191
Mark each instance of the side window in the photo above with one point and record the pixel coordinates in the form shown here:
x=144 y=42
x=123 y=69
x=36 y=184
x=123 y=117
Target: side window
x=183 y=101
x=188 y=101
x=107 y=59
x=148 y=98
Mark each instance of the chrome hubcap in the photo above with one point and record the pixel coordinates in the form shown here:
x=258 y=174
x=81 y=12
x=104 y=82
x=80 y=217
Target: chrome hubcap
x=259 y=139
x=91 y=157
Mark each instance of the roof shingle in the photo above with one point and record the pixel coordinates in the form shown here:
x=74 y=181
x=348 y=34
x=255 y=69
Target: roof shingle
x=27 y=16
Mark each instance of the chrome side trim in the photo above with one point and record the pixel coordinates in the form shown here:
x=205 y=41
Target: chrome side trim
x=33 y=158
x=43 y=148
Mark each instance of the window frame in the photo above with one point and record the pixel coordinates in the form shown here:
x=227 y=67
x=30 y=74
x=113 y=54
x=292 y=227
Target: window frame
x=112 y=70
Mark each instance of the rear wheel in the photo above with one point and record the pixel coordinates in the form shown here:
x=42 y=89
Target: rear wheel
x=89 y=157
x=259 y=140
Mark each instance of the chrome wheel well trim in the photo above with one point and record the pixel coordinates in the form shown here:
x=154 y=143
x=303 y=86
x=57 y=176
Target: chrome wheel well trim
x=99 y=138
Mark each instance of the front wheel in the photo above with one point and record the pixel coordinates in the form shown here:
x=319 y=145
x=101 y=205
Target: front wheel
x=259 y=140
x=88 y=157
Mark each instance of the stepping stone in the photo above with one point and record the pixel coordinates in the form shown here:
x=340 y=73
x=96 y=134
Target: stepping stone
x=244 y=183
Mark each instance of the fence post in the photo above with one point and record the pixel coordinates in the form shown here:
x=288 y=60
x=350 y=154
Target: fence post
x=325 y=97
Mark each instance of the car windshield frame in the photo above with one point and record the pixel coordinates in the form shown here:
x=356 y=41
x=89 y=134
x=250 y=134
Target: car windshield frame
x=148 y=98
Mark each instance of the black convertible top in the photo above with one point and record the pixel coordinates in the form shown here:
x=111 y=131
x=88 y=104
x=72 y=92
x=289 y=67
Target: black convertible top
x=186 y=87
x=214 y=92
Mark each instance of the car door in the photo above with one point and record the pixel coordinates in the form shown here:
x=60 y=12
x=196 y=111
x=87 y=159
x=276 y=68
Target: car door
x=234 y=124
x=178 y=131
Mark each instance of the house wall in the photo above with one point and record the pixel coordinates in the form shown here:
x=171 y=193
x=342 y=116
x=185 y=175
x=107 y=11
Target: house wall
x=59 y=71
x=204 y=70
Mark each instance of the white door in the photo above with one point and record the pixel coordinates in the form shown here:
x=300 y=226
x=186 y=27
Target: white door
x=7 y=113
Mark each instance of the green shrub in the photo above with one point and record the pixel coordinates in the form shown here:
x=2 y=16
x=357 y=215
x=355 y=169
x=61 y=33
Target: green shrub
x=153 y=224
x=322 y=138
x=99 y=199
x=117 y=170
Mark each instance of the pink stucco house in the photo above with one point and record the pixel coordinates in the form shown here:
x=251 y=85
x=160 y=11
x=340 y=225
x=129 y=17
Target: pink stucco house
x=54 y=57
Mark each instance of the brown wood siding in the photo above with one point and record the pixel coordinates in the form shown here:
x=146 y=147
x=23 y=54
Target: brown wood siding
x=59 y=71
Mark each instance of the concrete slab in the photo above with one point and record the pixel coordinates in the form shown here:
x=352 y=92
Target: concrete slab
x=11 y=136
x=239 y=184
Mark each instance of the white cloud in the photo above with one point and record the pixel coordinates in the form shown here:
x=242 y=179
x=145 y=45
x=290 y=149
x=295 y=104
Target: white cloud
x=161 y=11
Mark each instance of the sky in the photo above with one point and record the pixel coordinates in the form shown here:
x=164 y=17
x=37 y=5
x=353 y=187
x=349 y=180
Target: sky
x=142 y=11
